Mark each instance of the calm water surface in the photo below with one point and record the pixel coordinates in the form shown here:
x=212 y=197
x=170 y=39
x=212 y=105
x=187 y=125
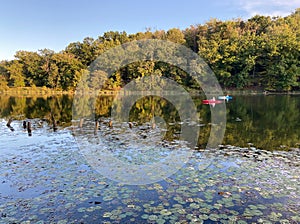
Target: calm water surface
x=268 y=122
x=46 y=178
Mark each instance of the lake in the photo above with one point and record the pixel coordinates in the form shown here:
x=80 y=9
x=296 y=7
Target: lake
x=268 y=122
x=60 y=172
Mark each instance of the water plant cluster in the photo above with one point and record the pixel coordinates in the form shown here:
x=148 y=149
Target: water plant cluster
x=46 y=179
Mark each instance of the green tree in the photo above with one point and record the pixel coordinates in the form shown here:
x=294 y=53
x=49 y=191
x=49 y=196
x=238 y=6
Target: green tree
x=175 y=35
x=86 y=51
x=278 y=61
x=16 y=74
x=31 y=62
x=191 y=36
x=69 y=70
x=4 y=75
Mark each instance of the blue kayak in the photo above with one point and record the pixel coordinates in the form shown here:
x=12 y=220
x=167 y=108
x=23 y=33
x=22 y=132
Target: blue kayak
x=225 y=97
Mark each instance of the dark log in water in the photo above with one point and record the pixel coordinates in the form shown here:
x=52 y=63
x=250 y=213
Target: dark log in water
x=153 y=125
x=8 y=124
x=54 y=123
x=130 y=125
x=81 y=122
x=24 y=124
x=29 y=128
x=96 y=127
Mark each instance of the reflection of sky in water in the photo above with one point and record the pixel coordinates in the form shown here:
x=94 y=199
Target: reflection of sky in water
x=15 y=141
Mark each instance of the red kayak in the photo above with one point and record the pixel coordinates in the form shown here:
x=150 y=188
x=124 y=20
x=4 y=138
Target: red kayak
x=212 y=101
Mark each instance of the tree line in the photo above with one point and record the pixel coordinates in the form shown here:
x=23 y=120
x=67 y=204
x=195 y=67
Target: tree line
x=260 y=52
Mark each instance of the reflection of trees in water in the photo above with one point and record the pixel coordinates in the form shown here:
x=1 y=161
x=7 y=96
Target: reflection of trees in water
x=145 y=111
x=103 y=106
x=159 y=112
x=60 y=107
x=266 y=121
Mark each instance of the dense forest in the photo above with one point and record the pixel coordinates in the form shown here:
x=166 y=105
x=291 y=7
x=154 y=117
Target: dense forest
x=261 y=52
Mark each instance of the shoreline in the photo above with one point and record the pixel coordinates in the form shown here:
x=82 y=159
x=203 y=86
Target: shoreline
x=43 y=91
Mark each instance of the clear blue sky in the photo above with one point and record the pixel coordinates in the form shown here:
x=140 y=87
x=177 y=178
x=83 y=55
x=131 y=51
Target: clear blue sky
x=37 y=24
